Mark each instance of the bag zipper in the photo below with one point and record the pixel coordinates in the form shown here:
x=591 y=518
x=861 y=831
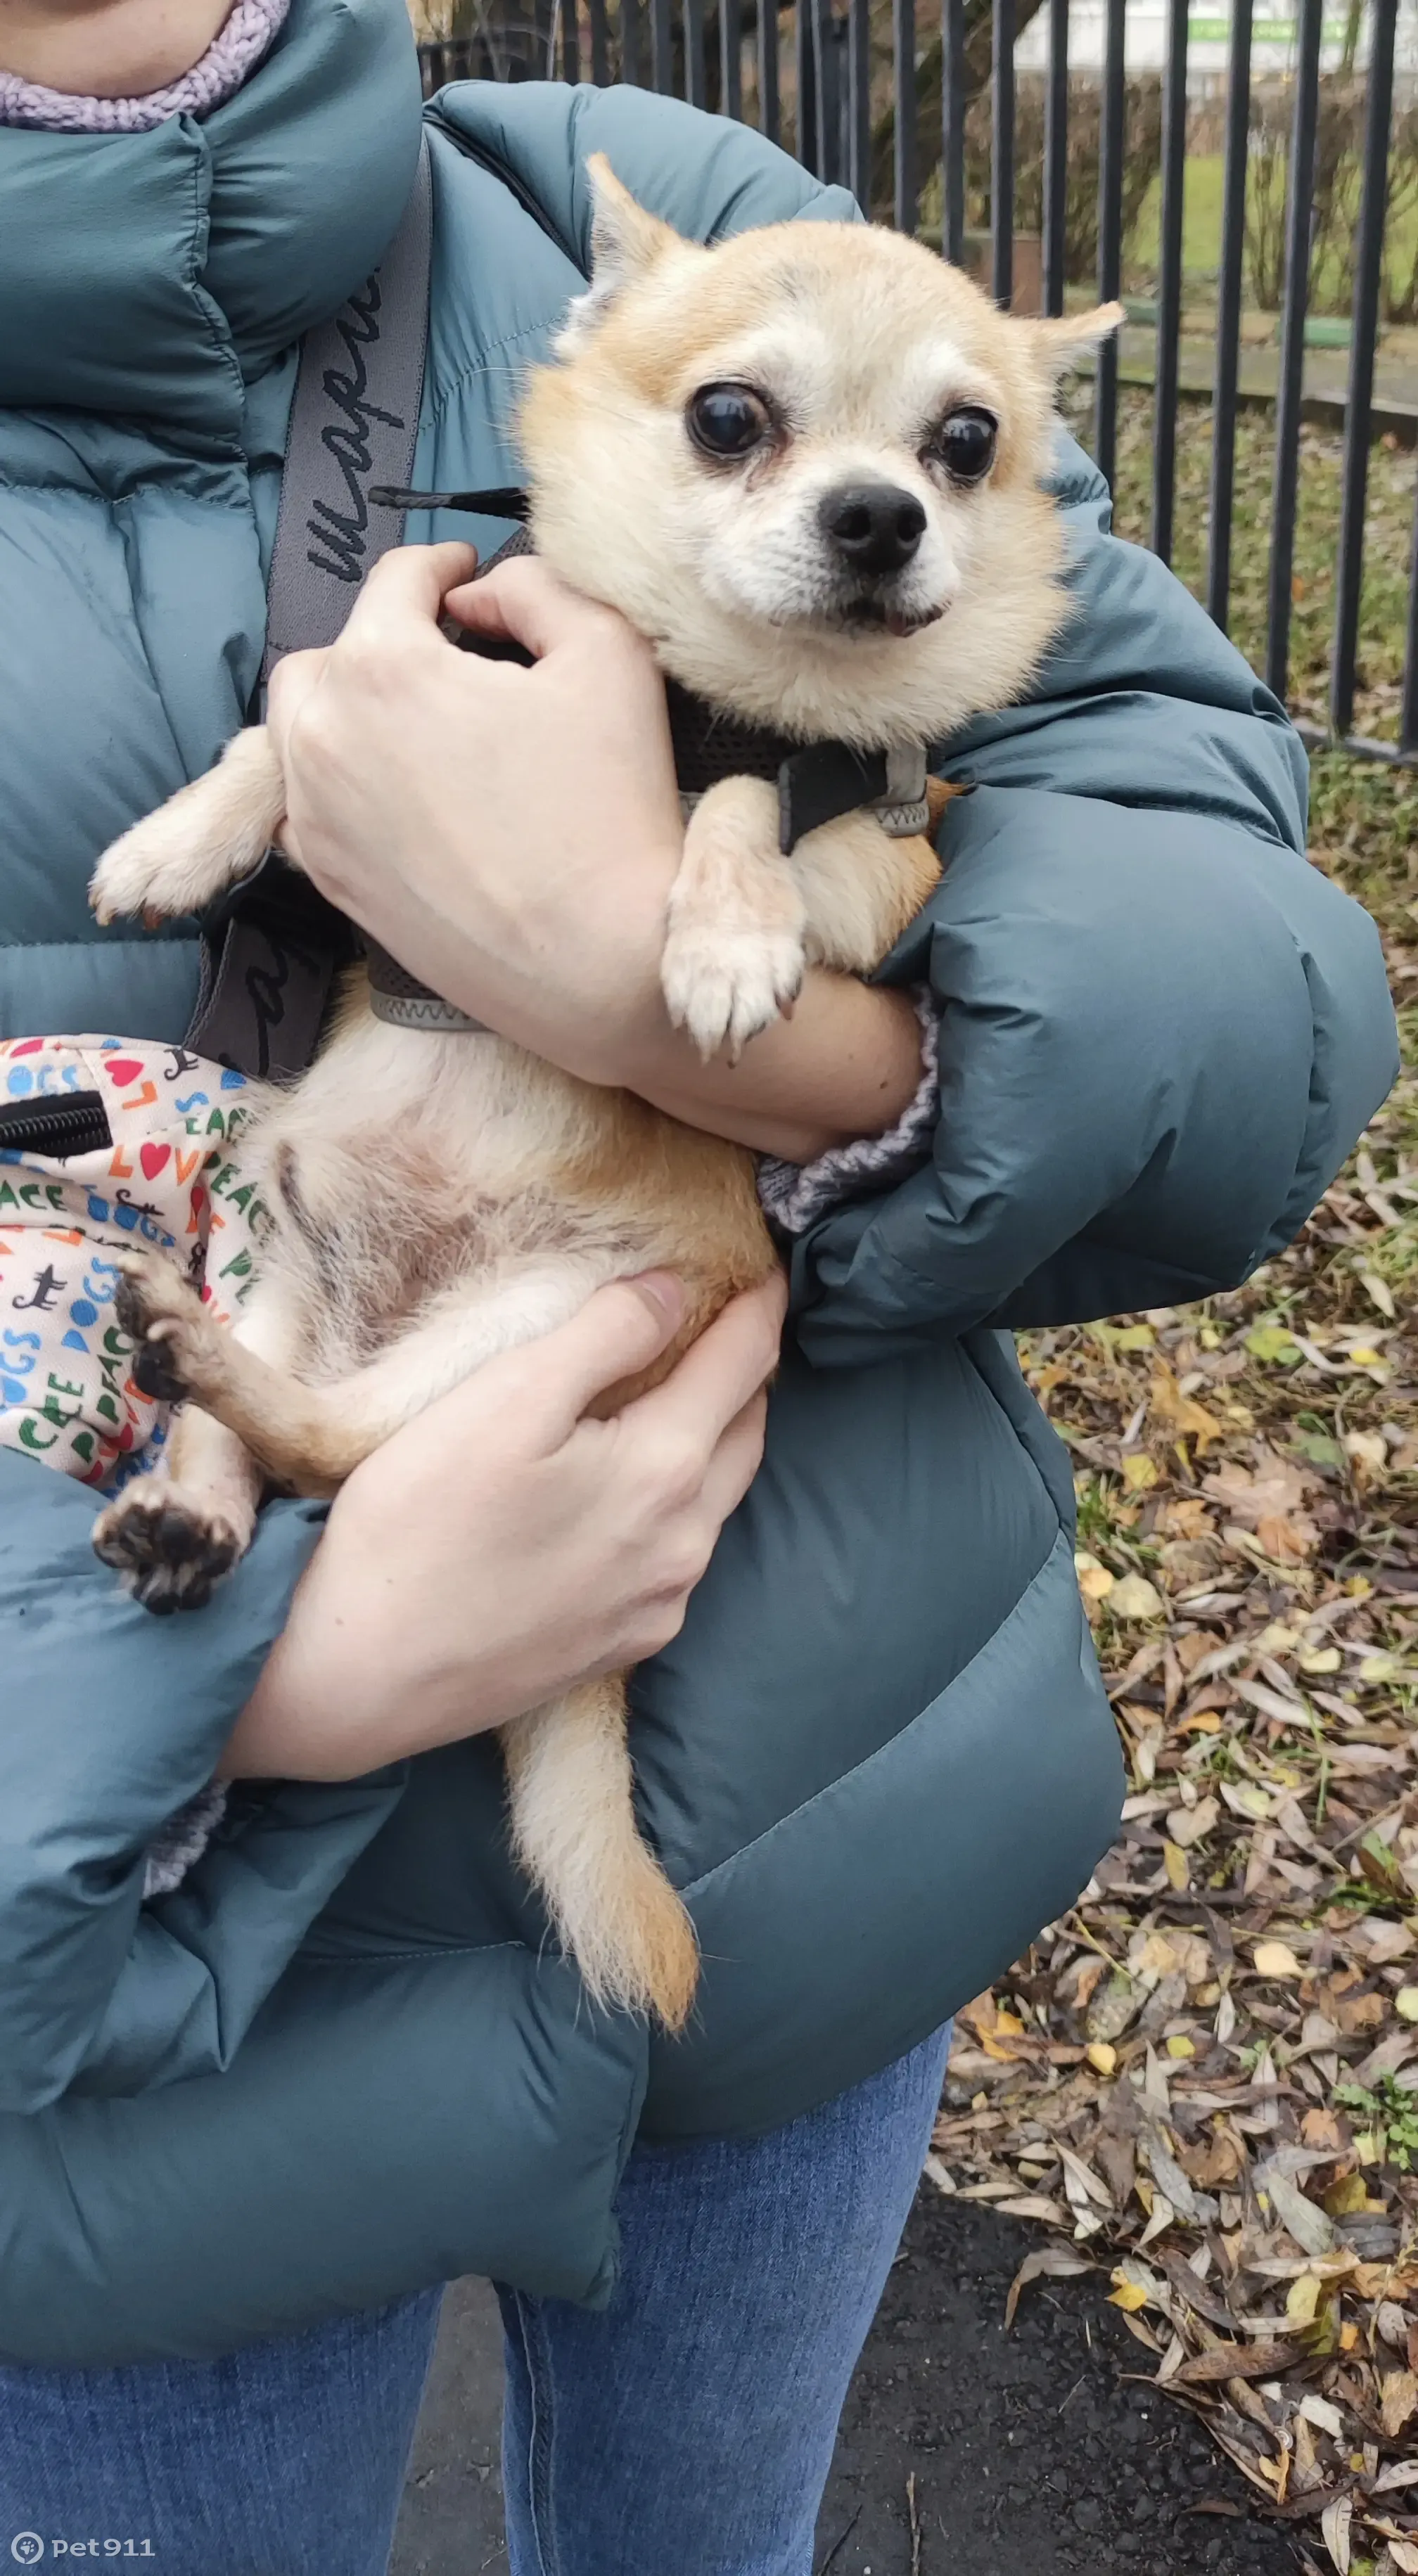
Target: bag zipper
x=75 y=1124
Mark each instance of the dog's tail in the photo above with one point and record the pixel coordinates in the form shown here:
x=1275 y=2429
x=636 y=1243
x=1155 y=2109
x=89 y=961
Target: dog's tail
x=574 y=1831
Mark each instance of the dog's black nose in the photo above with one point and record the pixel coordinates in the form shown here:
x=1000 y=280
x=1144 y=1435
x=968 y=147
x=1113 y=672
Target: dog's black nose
x=876 y=527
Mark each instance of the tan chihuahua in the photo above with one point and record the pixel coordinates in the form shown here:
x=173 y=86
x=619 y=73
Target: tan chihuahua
x=806 y=464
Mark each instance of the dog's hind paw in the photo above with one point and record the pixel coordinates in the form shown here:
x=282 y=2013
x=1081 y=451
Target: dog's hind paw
x=171 y=1548
x=723 y=985
x=178 y=1345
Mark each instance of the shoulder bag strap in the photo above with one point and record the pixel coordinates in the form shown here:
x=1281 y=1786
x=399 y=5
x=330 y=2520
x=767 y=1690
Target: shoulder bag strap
x=270 y=959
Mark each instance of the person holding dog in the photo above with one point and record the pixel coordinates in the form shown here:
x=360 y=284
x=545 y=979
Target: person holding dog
x=250 y=2125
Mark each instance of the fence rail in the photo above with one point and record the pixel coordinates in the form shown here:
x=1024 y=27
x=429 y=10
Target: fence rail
x=821 y=78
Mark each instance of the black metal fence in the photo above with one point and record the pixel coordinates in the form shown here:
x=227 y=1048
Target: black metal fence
x=810 y=77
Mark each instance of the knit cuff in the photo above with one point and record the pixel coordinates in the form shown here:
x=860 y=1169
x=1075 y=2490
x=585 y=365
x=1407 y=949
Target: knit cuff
x=793 y=1195
x=183 y=1840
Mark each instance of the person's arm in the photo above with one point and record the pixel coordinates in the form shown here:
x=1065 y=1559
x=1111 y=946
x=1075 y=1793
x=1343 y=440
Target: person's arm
x=512 y=836
x=559 y=1546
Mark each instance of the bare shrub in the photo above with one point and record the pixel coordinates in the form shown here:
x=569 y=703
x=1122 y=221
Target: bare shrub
x=1335 y=200
x=1142 y=145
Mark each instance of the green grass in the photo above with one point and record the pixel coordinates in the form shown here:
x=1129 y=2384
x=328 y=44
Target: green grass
x=1201 y=221
x=1201 y=235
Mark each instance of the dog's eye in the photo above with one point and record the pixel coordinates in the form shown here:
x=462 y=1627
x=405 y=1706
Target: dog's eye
x=727 y=420
x=965 y=444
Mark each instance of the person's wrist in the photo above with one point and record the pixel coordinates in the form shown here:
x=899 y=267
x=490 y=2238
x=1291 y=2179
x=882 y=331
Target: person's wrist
x=344 y=1662
x=615 y=1024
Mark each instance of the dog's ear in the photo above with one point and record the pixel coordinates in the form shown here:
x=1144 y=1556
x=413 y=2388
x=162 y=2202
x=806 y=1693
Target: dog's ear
x=1057 y=344
x=626 y=241
x=625 y=238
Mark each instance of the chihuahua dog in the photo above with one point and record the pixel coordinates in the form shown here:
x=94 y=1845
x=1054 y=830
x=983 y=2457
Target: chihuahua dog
x=806 y=464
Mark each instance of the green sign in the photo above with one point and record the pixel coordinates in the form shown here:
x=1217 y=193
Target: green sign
x=1264 y=31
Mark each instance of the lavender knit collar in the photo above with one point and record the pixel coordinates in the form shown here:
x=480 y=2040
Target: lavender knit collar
x=233 y=52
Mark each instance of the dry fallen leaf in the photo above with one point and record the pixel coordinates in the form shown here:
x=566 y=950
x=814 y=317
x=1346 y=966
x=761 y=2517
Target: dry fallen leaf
x=1135 y=1598
x=1236 y=2361
x=1309 y=2226
x=1302 y=2299
x=1188 y=1825
x=1276 y=1959
x=1181 y=1415
x=1219 y=2034
x=1048 y=2262
x=1270 y=1502
x=1177 y=1867
x=1334 y=2526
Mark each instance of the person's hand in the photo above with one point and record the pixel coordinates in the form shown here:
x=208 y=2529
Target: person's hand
x=502 y=1545
x=510 y=835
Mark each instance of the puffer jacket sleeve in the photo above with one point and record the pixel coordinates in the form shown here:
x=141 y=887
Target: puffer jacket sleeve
x=109 y=1719
x=1161 y=1028
x=706 y=175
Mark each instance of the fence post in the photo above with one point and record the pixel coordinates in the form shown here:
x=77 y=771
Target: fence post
x=824 y=97
x=903 y=24
x=731 y=57
x=1368 y=279
x=1169 y=282
x=1298 y=218
x=695 y=86
x=1110 y=234
x=1228 y=314
x=952 y=127
x=768 y=113
x=1002 y=157
x=1056 y=159
x=662 y=51
x=807 y=137
x=859 y=102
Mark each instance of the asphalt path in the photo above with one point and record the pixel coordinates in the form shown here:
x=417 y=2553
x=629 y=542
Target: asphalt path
x=964 y=2451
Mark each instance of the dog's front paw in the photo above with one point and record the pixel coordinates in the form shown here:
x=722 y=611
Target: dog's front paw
x=178 y=1344
x=204 y=839
x=171 y=1548
x=723 y=983
x=157 y=870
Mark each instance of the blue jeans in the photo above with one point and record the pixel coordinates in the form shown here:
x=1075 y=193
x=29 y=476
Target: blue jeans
x=689 y=2426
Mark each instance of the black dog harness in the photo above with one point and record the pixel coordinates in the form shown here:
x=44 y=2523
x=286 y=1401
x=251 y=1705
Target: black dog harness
x=817 y=782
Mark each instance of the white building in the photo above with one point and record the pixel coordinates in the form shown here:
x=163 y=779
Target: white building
x=1274 y=35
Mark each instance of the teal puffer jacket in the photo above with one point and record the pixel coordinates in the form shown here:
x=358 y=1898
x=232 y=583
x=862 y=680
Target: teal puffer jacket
x=339 y=2061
